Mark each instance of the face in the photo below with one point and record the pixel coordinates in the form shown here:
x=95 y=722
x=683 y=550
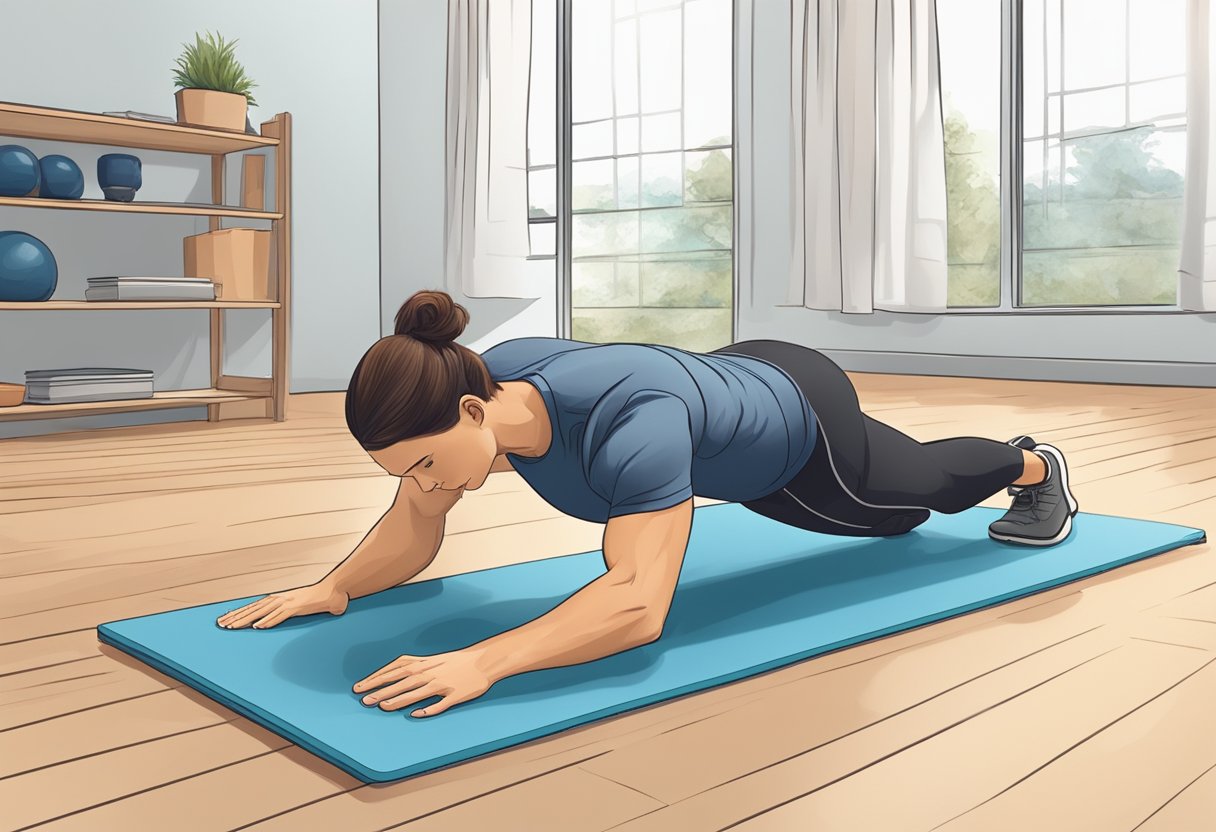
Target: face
x=455 y=459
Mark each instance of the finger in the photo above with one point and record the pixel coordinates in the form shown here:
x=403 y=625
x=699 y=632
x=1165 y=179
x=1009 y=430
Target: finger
x=405 y=682
x=233 y=613
x=426 y=691
x=274 y=618
x=439 y=707
x=375 y=679
x=252 y=615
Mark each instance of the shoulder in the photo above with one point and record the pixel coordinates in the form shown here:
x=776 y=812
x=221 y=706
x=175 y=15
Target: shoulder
x=516 y=353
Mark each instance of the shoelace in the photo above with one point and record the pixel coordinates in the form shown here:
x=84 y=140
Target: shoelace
x=1024 y=498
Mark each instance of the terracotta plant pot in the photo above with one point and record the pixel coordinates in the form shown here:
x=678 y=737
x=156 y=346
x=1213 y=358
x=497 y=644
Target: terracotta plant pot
x=11 y=395
x=209 y=108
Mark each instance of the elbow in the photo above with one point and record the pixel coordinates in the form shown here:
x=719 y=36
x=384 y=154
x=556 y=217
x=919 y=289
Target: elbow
x=643 y=619
x=651 y=628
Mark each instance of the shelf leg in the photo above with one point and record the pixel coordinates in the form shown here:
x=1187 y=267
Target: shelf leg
x=217 y=315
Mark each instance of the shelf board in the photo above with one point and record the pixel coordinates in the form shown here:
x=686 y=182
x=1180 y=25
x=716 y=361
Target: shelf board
x=53 y=124
x=193 y=209
x=159 y=401
x=59 y=305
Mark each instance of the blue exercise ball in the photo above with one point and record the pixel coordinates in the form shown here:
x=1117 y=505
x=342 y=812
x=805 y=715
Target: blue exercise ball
x=27 y=268
x=18 y=171
x=61 y=178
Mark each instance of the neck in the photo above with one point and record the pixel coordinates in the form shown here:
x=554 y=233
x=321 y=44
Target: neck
x=522 y=423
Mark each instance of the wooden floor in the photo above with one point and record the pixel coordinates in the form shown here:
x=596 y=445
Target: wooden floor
x=1087 y=707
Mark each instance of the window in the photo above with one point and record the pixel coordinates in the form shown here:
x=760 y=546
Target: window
x=651 y=209
x=1101 y=153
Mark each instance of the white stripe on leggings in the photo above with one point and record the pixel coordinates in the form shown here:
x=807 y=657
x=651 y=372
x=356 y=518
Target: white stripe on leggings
x=828 y=447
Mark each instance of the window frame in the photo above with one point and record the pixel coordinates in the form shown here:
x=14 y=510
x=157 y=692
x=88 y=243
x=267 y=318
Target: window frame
x=563 y=165
x=1011 y=192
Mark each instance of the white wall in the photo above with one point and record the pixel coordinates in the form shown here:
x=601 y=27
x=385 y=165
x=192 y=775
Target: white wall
x=1142 y=348
x=313 y=58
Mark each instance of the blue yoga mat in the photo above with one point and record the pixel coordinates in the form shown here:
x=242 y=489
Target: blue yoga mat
x=753 y=595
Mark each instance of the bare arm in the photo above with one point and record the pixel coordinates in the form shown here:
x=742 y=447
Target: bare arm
x=623 y=608
x=403 y=542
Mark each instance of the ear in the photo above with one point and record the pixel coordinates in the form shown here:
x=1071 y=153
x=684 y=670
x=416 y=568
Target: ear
x=473 y=406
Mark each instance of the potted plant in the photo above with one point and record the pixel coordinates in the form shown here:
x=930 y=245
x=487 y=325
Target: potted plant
x=214 y=88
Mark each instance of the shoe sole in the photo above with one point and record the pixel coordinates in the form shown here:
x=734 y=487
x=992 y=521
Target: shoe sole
x=1030 y=541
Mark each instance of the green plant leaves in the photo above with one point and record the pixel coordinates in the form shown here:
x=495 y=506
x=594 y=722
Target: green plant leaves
x=211 y=65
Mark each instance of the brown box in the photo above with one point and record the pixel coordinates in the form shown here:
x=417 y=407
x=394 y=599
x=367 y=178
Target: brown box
x=237 y=259
x=253 y=182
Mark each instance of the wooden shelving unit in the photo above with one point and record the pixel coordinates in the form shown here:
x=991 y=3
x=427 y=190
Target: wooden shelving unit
x=229 y=396
x=182 y=208
x=57 y=305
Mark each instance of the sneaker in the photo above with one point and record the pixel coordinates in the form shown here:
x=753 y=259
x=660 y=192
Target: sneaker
x=1027 y=443
x=1041 y=515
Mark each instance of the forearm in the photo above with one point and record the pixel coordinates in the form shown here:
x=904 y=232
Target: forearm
x=392 y=552
x=600 y=619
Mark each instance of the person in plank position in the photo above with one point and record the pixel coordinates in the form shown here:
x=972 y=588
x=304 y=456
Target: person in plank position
x=626 y=434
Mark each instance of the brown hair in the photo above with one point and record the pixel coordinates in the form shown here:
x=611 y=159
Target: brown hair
x=410 y=383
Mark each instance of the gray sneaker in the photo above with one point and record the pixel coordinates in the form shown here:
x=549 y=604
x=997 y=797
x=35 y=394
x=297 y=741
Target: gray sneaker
x=1041 y=514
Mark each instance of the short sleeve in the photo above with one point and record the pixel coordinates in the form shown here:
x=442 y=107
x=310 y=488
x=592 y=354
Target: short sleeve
x=640 y=457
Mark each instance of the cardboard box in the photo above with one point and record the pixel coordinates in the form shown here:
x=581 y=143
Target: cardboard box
x=237 y=259
x=253 y=182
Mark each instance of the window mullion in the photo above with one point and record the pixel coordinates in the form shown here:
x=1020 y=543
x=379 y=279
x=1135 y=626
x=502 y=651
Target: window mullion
x=1011 y=154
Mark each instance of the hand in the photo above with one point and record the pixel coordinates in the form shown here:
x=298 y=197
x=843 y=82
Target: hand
x=457 y=676
x=268 y=611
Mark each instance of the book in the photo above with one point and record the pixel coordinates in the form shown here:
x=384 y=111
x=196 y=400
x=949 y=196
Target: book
x=141 y=279
x=140 y=116
x=153 y=291
x=90 y=373
x=87 y=384
x=149 y=288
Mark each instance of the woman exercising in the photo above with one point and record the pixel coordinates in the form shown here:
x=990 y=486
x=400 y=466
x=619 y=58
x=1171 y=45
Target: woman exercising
x=625 y=434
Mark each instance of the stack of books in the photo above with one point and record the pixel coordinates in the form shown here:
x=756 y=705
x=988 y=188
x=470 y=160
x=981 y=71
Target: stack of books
x=150 y=288
x=86 y=384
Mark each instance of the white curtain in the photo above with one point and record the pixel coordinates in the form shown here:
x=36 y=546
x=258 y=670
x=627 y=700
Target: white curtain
x=1197 y=262
x=486 y=138
x=869 y=183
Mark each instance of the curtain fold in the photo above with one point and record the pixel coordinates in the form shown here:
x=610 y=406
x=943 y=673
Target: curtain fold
x=486 y=140
x=868 y=196
x=1197 y=259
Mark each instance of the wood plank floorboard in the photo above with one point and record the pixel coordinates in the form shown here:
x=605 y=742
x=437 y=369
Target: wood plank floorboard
x=1083 y=707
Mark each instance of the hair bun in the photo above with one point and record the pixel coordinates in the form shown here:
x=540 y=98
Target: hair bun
x=431 y=316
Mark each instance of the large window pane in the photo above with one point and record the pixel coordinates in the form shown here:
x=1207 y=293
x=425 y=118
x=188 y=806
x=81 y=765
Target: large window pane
x=707 y=74
x=969 y=34
x=661 y=132
x=591 y=140
x=661 y=60
x=590 y=53
x=651 y=229
x=1090 y=29
x=542 y=192
x=662 y=180
x=1160 y=27
x=708 y=176
x=542 y=87
x=542 y=135
x=625 y=68
x=592 y=186
x=1102 y=187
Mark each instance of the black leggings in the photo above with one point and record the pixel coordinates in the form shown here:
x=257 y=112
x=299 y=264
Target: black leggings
x=865 y=478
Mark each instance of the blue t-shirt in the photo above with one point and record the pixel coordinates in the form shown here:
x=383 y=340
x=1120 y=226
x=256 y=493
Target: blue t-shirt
x=639 y=427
